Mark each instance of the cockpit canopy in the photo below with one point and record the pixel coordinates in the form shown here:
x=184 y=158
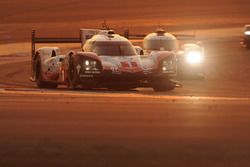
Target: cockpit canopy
x=160 y=41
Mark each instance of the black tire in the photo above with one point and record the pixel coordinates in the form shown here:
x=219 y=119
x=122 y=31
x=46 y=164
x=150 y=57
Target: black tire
x=39 y=78
x=162 y=86
x=73 y=78
x=125 y=88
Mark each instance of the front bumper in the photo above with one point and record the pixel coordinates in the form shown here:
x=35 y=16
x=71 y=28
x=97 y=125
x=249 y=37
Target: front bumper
x=108 y=79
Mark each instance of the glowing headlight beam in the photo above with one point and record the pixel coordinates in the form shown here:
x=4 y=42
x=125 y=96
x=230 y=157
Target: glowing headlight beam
x=194 y=57
x=247 y=32
x=87 y=63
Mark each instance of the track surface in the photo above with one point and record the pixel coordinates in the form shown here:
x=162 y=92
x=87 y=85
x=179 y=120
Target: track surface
x=204 y=123
x=85 y=129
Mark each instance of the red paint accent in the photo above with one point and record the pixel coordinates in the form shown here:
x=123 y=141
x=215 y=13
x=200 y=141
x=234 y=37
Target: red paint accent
x=134 y=64
x=52 y=76
x=125 y=64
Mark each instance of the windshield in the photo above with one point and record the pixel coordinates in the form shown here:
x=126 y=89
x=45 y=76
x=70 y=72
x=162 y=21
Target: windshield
x=114 y=49
x=162 y=45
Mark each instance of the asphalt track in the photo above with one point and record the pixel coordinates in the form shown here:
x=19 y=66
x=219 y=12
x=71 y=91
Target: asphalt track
x=204 y=123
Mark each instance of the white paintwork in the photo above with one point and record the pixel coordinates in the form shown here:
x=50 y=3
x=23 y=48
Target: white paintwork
x=139 y=50
x=46 y=52
x=160 y=41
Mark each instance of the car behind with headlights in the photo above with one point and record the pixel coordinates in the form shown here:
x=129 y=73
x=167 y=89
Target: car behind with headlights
x=191 y=61
x=190 y=58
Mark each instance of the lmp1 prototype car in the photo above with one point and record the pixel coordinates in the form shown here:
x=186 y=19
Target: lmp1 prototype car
x=246 y=38
x=106 y=60
x=190 y=57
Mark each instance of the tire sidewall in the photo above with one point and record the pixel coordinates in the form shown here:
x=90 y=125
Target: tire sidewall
x=73 y=77
x=163 y=85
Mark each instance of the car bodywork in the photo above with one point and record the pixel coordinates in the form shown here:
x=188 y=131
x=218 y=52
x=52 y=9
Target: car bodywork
x=106 y=60
x=190 y=56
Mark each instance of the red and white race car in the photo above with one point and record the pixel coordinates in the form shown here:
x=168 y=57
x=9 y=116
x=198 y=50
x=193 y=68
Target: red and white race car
x=105 y=60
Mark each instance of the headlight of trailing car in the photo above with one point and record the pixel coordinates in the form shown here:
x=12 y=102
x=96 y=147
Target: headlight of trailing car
x=168 y=66
x=247 y=32
x=194 y=57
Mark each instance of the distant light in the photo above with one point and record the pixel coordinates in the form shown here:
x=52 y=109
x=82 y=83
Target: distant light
x=247 y=32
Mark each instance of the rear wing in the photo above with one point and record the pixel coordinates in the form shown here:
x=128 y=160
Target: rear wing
x=142 y=36
x=84 y=35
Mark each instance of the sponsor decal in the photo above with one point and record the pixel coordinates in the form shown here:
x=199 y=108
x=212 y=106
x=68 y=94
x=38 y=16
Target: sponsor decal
x=125 y=64
x=86 y=76
x=78 y=68
x=92 y=72
x=116 y=70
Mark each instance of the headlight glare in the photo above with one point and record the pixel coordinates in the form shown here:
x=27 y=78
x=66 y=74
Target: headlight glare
x=90 y=65
x=87 y=62
x=194 y=57
x=247 y=32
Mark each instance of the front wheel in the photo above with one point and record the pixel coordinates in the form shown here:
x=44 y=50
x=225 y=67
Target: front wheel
x=72 y=74
x=162 y=86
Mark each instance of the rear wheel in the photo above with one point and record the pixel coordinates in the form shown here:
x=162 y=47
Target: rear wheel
x=39 y=78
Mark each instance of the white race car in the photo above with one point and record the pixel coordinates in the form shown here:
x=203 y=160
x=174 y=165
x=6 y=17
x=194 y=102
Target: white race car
x=105 y=60
x=190 y=57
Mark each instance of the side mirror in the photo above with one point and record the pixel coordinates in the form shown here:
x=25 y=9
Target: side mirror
x=139 y=50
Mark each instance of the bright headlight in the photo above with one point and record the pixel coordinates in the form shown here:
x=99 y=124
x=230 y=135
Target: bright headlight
x=87 y=63
x=194 y=57
x=247 y=32
x=90 y=65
